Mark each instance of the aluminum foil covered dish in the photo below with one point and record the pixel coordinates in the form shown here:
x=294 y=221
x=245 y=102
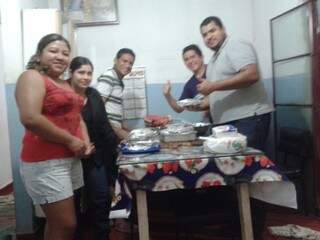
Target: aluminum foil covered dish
x=141 y=140
x=178 y=132
x=189 y=102
x=142 y=134
x=147 y=146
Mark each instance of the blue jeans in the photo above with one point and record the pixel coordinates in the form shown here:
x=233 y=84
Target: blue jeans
x=256 y=128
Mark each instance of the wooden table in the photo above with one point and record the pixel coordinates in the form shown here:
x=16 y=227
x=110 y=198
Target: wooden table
x=244 y=210
x=246 y=167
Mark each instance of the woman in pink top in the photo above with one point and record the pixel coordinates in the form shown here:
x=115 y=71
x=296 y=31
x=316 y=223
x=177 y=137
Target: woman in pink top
x=55 y=136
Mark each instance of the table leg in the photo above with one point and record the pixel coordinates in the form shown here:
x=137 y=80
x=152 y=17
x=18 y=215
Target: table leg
x=245 y=211
x=142 y=212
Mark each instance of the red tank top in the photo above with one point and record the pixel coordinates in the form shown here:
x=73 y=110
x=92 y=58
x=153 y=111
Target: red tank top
x=62 y=107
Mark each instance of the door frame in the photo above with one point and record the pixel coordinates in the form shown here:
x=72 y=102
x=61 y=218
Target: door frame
x=315 y=81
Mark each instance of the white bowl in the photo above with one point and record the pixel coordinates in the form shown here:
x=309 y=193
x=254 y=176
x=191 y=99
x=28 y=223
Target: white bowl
x=232 y=144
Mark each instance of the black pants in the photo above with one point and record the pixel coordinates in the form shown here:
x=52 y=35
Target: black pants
x=97 y=200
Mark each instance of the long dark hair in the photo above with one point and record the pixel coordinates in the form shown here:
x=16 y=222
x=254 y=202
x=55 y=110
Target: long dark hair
x=77 y=62
x=44 y=41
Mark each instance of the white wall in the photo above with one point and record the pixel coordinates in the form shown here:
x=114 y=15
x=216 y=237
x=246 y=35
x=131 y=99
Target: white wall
x=5 y=160
x=11 y=40
x=12 y=35
x=263 y=11
x=158 y=30
x=11 y=66
x=41 y=22
x=155 y=31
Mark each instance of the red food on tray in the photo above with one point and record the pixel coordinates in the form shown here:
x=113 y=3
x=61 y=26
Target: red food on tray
x=156 y=120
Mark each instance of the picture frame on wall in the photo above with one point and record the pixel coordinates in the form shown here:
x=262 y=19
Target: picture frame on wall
x=90 y=12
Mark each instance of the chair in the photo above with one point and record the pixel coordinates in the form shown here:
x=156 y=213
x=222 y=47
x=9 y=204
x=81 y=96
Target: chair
x=294 y=152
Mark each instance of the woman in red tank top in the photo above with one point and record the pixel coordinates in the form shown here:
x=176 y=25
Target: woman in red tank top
x=55 y=135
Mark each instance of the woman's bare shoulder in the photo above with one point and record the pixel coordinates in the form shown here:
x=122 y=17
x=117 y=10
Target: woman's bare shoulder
x=30 y=79
x=30 y=76
x=30 y=73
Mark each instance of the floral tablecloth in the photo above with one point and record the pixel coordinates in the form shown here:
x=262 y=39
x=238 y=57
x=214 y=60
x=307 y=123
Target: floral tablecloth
x=190 y=168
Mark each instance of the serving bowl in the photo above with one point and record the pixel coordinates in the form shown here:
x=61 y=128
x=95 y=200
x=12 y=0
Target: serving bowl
x=202 y=128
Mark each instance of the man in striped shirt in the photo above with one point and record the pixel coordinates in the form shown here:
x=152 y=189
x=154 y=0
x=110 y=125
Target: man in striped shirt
x=110 y=86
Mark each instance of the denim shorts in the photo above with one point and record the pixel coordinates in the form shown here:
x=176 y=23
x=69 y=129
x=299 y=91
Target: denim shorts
x=51 y=180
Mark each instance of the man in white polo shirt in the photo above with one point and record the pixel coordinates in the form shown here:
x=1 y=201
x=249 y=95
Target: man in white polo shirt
x=110 y=86
x=236 y=94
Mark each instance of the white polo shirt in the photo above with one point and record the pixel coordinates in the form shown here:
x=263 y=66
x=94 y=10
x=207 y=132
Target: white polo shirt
x=230 y=105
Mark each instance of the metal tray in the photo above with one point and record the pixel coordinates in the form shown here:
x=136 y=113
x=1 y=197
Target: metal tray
x=181 y=137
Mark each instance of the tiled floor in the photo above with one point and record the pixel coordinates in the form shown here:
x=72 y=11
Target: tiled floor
x=161 y=229
x=163 y=224
x=272 y=219
x=7 y=218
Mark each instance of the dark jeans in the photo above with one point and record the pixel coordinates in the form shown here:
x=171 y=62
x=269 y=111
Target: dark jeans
x=97 y=199
x=256 y=128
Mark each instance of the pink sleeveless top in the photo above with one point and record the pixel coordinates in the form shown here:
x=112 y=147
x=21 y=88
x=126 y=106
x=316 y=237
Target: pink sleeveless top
x=63 y=108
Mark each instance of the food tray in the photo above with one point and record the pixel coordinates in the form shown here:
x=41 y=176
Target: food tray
x=177 y=128
x=189 y=136
x=140 y=147
x=189 y=102
x=142 y=134
x=152 y=149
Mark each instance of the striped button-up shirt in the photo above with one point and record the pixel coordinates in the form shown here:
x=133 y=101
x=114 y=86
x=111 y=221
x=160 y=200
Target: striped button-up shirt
x=111 y=87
